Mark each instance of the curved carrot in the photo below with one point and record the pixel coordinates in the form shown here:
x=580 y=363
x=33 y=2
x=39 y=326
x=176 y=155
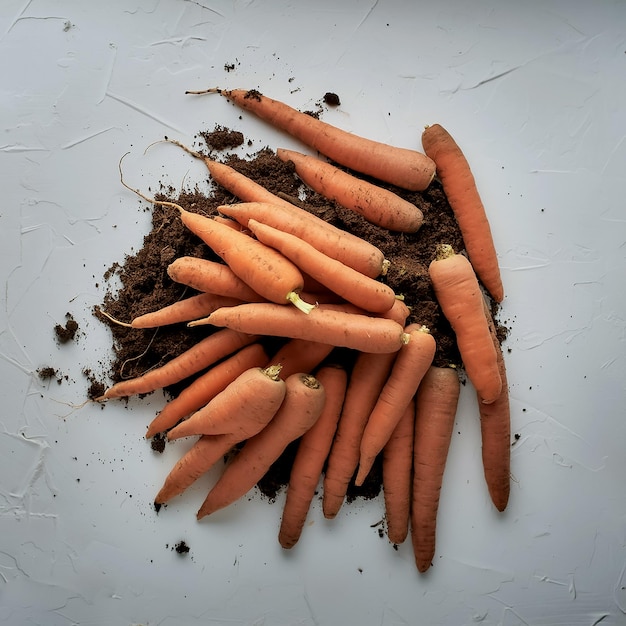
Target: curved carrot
x=460 y=189
x=377 y=205
x=397 y=476
x=412 y=362
x=458 y=293
x=323 y=324
x=363 y=291
x=332 y=241
x=368 y=376
x=207 y=386
x=436 y=406
x=299 y=355
x=311 y=455
x=399 y=166
x=241 y=409
x=303 y=404
x=203 y=354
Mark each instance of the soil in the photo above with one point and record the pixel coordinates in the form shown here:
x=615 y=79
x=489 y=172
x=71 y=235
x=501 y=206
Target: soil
x=68 y=332
x=146 y=285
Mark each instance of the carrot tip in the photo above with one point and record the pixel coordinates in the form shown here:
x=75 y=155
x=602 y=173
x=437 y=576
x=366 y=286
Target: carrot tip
x=201 y=322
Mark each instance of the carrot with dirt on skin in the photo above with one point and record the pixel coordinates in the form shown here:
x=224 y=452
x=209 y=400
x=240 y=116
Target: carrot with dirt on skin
x=367 y=293
x=206 y=387
x=201 y=355
x=241 y=409
x=458 y=293
x=336 y=243
x=436 y=407
x=402 y=167
x=376 y=204
x=299 y=355
x=397 y=467
x=326 y=323
x=303 y=404
x=312 y=452
x=412 y=362
x=460 y=189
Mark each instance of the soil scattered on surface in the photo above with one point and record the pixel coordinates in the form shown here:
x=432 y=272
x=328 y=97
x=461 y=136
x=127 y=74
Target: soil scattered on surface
x=68 y=332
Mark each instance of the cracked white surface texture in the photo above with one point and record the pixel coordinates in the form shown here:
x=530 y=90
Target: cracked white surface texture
x=535 y=94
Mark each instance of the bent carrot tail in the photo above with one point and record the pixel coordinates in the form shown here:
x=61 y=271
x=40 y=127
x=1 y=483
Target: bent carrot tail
x=303 y=404
x=397 y=476
x=311 y=455
x=460 y=189
x=458 y=293
x=436 y=406
x=206 y=386
x=412 y=362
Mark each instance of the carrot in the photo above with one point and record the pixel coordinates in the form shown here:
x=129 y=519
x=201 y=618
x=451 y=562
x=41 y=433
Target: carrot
x=203 y=354
x=495 y=426
x=368 y=376
x=412 y=362
x=241 y=409
x=367 y=293
x=458 y=293
x=207 y=386
x=311 y=455
x=300 y=355
x=376 y=204
x=303 y=404
x=460 y=188
x=336 y=243
x=436 y=406
x=211 y=277
x=405 y=168
x=397 y=476
x=324 y=324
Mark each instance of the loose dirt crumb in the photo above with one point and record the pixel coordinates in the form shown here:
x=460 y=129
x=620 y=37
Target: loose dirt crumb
x=68 y=332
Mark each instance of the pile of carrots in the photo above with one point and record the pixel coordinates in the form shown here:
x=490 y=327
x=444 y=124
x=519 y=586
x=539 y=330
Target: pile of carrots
x=283 y=272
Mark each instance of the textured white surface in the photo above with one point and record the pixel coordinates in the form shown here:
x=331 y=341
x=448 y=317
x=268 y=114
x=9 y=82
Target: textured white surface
x=535 y=94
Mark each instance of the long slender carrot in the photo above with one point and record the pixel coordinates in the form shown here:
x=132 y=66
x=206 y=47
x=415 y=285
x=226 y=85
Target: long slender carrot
x=368 y=376
x=412 y=362
x=303 y=404
x=363 y=291
x=397 y=476
x=324 y=324
x=200 y=356
x=376 y=204
x=458 y=293
x=436 y=406
x=299 y=355
x=400 y=166
x=460 y=188
x=206 y=387
x=241 y=409
x=311 y=455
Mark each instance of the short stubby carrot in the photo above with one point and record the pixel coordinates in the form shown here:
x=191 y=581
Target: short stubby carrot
x=375 y=203
x=303 y=404
x=461 y=300
x=436 y=407
x=241 y=409
x=460 y=188
x=402 y=167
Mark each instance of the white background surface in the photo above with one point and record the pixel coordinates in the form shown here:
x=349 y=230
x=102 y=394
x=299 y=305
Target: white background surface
x=535 y=94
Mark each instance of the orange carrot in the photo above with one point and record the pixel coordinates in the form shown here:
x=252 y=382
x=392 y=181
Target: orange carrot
x=303 y=404
x=460 y=188
x=206 y=387
x=299 y=355
x=200 y=356
x=241 y=409
x=323 y=324
x=397 y=476
x=363 y=291
x=412 y=362
x=332 y=241
x=399 y=166
x=458 y=293
x=368 y=376
x=436 y=406
x=376 y=204
x=311 y=455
